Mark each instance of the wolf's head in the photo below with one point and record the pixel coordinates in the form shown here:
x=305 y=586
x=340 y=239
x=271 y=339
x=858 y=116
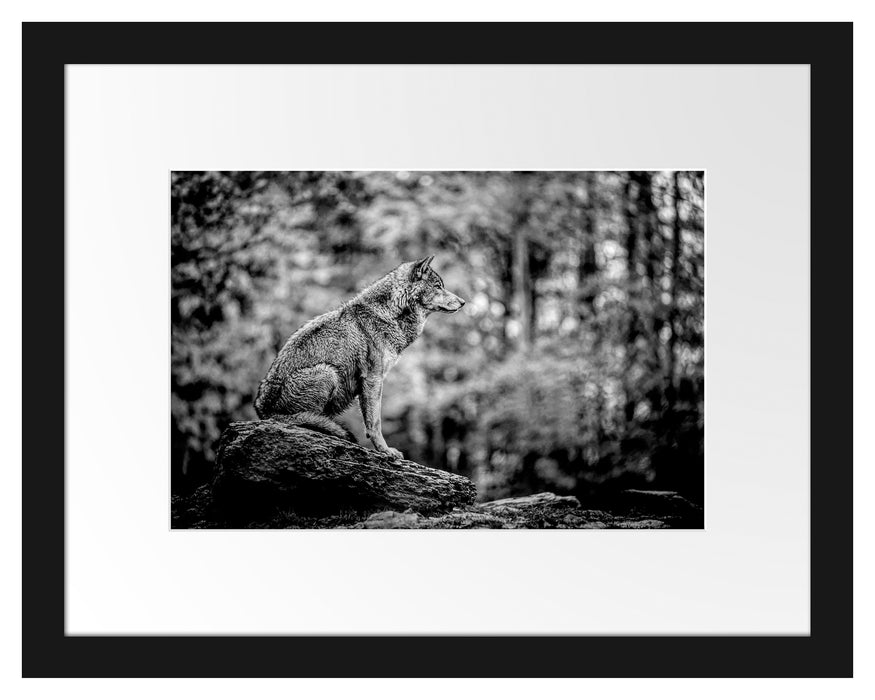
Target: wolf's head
x=427 y=287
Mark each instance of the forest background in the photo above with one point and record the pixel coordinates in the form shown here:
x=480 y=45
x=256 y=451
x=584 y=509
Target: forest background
x=577 y=365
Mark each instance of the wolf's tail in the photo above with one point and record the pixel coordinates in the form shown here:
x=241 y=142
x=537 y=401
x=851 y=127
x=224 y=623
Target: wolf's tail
x=318 y=422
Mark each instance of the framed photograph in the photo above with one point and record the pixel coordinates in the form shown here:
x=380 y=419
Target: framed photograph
x=382 y=351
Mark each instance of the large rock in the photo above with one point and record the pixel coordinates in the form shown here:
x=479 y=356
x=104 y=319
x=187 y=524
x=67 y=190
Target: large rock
x=264 y=467
x=270 y=474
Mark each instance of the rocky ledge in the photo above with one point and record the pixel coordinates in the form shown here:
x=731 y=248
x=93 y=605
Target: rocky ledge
x=273 y=475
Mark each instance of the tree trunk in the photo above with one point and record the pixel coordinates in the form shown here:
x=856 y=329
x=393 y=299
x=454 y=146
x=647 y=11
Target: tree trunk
x=587 y=272
x=582 y=299
x=268 y=466
x=522 y=282
x=648 y=223
x=504 y=256
x=671 y=391
x=630 y=211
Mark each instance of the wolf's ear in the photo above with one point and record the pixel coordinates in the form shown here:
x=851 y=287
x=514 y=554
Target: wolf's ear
x=420 y=267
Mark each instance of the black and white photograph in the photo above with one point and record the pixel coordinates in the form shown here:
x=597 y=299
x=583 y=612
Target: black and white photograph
x=437 y=350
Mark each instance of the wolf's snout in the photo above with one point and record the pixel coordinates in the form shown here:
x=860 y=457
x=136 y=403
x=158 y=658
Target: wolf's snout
x=455 y=304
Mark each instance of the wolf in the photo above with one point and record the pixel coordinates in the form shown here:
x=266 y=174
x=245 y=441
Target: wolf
x=346 y=353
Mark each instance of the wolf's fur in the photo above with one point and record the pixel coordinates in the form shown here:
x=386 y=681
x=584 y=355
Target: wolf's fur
x=346 y=353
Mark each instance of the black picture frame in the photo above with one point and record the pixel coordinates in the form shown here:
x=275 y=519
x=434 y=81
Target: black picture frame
x=826 y=47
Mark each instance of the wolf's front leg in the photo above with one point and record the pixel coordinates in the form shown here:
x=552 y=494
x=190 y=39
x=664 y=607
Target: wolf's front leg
x=371 y=399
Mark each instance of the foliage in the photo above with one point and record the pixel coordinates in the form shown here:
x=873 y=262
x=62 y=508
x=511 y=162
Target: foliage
x=577 y=364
